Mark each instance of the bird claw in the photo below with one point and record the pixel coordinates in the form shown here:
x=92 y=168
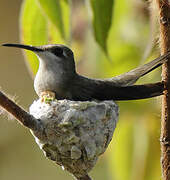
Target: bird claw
x=47 y=96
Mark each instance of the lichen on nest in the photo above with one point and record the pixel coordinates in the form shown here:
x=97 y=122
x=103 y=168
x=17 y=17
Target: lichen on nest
x=75 y=133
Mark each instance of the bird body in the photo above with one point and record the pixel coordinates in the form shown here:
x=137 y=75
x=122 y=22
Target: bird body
x=57 y=74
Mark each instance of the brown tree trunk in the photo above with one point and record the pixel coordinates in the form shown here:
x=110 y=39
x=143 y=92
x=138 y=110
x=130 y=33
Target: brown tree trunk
x=164 y=20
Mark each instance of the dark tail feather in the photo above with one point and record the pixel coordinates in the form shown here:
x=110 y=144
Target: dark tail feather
x=132 y=76
x=89 y=89
x=133 y=92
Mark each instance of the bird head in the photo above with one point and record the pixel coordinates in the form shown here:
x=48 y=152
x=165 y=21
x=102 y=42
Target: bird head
x=54 y=55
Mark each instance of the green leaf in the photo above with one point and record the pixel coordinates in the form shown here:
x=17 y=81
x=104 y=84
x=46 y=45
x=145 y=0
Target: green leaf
x=102 y=19
x=54 y=32
x=34 y=30
x=53 y=9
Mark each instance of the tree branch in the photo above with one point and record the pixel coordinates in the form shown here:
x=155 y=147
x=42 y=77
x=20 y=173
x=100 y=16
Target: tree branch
x=20 y=114
x=164 y=19
x=87 y=177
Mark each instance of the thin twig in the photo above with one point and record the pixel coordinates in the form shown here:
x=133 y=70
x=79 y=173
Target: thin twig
x=87 y=177
x=20 y=114
x=164 y=19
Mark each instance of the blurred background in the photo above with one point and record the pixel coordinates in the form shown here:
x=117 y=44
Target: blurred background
x=134 y=152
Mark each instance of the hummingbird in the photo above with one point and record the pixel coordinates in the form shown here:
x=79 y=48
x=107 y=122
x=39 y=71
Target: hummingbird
x=57 y=75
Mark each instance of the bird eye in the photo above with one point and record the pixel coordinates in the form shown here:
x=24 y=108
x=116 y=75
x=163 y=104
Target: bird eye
x=58 y=51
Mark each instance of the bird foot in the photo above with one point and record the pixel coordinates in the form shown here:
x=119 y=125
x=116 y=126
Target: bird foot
x=47 y=96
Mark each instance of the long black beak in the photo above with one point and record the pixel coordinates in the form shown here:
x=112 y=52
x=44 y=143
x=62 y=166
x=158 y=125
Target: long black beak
x=28 y=47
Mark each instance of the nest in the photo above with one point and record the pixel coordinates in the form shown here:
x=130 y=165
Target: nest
x=74 y=134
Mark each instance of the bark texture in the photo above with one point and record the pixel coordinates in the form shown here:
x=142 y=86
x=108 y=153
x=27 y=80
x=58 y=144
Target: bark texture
x=164 y=19
x=19 y=113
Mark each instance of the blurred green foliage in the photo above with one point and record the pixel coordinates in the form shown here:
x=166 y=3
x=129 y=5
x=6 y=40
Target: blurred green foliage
x=102 y=19
x=93 y=29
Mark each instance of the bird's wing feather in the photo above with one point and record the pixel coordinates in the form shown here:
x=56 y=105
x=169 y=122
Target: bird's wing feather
x=132 y=76
x=90 y=89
